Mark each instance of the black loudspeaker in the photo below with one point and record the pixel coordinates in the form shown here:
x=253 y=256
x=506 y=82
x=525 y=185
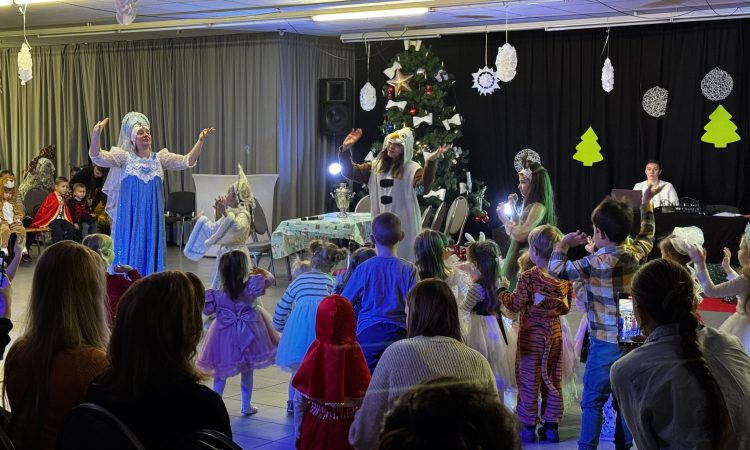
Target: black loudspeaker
x=336 y=105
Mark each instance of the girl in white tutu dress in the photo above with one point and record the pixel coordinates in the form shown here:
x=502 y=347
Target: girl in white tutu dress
x=738 y=323
x=482 y=327
x=297 y=309
x=241 y=338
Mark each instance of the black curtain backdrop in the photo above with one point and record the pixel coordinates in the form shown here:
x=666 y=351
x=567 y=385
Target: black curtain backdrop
x=557 y=94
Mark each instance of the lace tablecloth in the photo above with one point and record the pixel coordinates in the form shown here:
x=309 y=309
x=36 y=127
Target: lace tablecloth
x=292 y=236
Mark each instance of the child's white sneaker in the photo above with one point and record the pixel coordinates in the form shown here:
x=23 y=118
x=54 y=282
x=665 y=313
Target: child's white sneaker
x=249 y=410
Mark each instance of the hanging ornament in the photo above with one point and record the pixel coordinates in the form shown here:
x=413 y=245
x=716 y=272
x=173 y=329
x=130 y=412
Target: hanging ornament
x=420 y=71
x=390 y=89
x=717 y=85
x=608 y=72
x=367 y=95
x=420 y=120
x=428 y=90
x=413 y=112
x=416 y=43
x=442 y=75
x=400 y=105
x=389 y=127
x=125 y=11
x=655 y=101
x=391 y=71
x=455 y=120
x=485 y=79
x=400 y=82
x=506 y=60
x=608 y=76
x=25 y=64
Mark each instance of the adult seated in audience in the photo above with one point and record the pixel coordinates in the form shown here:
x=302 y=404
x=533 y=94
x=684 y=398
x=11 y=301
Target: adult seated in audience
x=446 y=413
x=40 y=173
x=688 y=386
x=152 y=384
x=667 y=195
x=49 y=368
x=433 y=348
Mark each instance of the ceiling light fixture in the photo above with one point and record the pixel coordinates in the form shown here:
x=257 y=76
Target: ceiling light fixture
x=381 y=13
x=24 y=2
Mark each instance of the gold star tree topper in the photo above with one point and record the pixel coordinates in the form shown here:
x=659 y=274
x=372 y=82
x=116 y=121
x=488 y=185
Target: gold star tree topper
x=400 y=82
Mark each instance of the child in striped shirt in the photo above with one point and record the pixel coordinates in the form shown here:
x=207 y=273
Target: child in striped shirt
x=295 y=313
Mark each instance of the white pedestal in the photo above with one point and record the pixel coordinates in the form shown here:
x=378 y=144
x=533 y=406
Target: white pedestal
x=208 y=187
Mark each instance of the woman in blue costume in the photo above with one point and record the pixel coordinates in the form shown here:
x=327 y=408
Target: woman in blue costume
x=134 y=189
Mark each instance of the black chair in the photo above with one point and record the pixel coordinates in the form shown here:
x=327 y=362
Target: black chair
x=31 y=203
x=89 y=426
x=207 y=440
x=180 y=206
x=437 y=222
x=5 y=442
x=258 y=248
x=426 y=217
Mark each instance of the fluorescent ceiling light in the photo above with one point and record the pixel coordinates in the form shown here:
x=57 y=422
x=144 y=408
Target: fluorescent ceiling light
x=382 y=13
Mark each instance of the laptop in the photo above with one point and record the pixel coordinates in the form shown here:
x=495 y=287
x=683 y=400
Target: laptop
x=629 y=196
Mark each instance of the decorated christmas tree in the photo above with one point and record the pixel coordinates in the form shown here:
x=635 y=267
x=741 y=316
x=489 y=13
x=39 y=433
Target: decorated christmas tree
x=588 y=151
x=416 y=98
x=720 y=131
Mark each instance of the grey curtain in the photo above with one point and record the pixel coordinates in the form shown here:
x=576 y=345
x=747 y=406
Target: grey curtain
x=259 y=91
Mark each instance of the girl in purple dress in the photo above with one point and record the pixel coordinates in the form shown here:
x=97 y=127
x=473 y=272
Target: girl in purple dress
x=241 y=338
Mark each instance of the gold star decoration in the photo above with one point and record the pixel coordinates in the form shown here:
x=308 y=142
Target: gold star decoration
x=400 y=82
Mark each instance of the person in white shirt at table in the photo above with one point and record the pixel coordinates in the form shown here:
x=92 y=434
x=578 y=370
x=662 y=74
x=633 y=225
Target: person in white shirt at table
x=653 y=171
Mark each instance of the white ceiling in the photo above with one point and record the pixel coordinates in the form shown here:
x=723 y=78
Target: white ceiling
x=194 y=18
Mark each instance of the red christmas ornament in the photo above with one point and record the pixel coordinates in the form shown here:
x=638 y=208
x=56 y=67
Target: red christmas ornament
x=428 y=90
x=413 y=112
x=390 y=96
x=391 y=90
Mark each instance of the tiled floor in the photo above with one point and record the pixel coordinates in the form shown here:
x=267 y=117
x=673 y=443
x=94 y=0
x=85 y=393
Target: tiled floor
x=271 y=427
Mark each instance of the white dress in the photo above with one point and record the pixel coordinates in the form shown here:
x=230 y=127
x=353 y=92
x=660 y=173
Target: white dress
x=738 y=324
x=483 y=334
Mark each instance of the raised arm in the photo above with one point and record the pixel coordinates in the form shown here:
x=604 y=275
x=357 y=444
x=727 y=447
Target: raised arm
x=195 y=152
x=355 y=172
x=520 y=232
x=426 y=176
x=114 y=158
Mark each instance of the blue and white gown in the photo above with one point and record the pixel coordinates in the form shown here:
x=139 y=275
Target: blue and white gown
x=136 y=205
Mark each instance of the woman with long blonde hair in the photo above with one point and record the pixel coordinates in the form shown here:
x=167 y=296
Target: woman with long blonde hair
x=49 y=368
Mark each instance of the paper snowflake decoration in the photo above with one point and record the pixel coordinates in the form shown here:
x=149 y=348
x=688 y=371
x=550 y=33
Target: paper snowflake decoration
x=506 y=62
x=655 y=101
x=717 y=85
x=125 y=11
x=367 y=97
x=529 y=155
x=608 y=76
x=25 y=64
x=485 y=80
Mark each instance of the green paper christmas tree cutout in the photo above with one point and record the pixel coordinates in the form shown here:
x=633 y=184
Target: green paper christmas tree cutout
x=589 y=151
x=720 y=130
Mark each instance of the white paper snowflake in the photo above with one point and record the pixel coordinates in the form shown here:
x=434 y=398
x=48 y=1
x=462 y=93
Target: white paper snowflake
x=506 y=62
x=485 y=80
x=717 y=85
x=367 y=97
x=125 y=11
x=608 y=76
x=530 y=155
x=25 y=64
x=655 y=101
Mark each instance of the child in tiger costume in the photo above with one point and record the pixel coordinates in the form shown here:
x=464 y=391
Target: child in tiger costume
x=540 y=299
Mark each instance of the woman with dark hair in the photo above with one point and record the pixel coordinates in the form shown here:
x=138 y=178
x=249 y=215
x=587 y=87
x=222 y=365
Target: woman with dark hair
x=688 y=386
x=152 y=384
x=40 y=173
x=433 y=348
x=538 y=208
x=468 y=418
